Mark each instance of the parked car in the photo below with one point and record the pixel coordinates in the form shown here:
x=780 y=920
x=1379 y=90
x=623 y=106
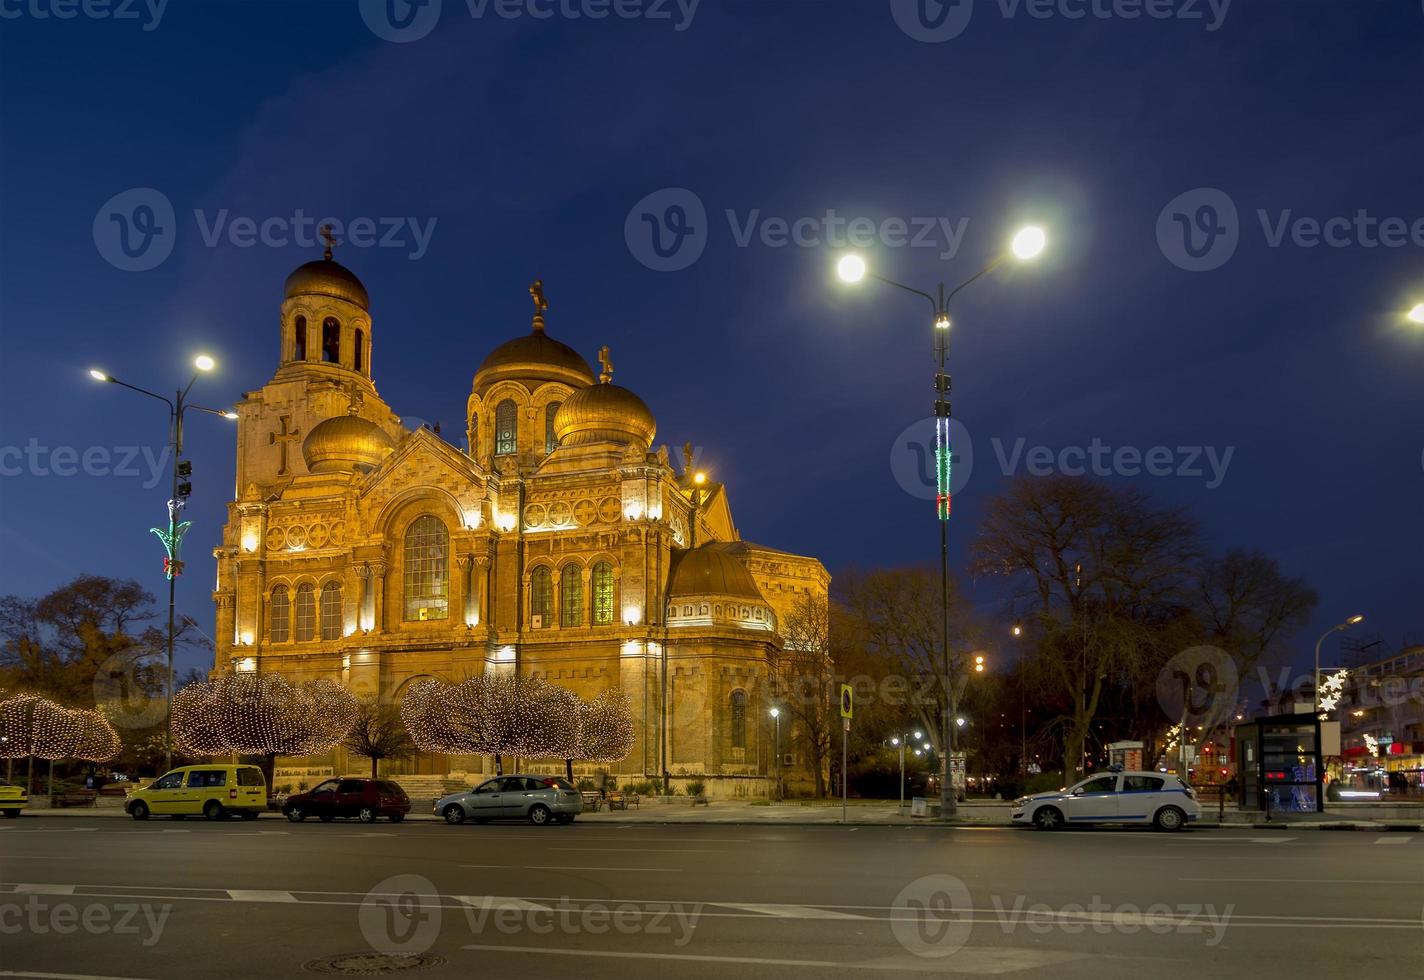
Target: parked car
x=213 y=791
x=364 y=799
x=13 y=799
x=538 y=799
x=1113 y=797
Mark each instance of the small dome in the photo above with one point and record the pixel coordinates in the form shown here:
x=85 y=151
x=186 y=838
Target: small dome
x=604 y=413
x=346 y=442
x=325 y=277
x=709 y=570
x=534 y=357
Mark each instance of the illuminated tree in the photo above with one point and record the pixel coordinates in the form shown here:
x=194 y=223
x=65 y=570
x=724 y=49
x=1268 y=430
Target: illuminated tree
x=493 y=714
x=264 y=715
x=605 y=729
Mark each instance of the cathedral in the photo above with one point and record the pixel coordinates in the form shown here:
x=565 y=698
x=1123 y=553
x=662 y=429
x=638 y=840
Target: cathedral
x=557 y=542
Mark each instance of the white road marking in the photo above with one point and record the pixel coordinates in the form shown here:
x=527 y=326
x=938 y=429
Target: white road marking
x=1392 y=839
x=560 y=867
x=645 y=850
x=60 y=976
x=791 y=911
x=42 y=889
x=499 y=902
x=259 y=895
x=1316 y=881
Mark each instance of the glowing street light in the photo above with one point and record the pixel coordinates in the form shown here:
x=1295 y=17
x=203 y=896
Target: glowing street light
x=98 y=375
x=1338 y=628
x=851 y=268
x=204 y=363
x=1029 y=243
x=1416 y=315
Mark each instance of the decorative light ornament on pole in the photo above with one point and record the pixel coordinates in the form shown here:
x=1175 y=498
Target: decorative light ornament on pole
x=1027 y=244
x=1338 y=628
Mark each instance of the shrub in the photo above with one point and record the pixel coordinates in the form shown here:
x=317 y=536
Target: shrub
x=695 y=787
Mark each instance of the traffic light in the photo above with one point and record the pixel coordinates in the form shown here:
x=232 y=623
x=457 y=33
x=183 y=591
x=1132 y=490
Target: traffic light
x=185 y=488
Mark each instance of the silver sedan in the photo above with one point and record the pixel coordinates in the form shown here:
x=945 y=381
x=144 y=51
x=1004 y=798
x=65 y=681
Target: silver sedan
x=538 y=799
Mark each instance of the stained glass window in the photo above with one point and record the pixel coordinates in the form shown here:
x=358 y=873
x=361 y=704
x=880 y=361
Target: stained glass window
x=541 y=598
x=281 y=615
x=331 y=611
x=571 y=597
x=306 y=613
x=603 y=594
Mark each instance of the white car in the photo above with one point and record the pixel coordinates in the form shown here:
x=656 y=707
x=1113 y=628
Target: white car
x=1113 y=797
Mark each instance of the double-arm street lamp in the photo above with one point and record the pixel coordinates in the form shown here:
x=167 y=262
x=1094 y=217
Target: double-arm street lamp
x=1026 y=245
x=1338 y=628
x=900 y=740
x=172 y=538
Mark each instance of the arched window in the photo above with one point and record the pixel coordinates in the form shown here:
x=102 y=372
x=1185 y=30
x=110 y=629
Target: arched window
x=739 y=719
x=357 y=356
x=571 y=596
x=281 y=615
x=506 y=423
x=299 y=332
x=603 y=594
x=306 y=613
x=427 y=569
x=541 y=598
x=550 y=443
x=331 y=340
x=331 y=611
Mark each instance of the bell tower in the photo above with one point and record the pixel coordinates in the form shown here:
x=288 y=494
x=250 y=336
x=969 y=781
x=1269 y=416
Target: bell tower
x=326 y=319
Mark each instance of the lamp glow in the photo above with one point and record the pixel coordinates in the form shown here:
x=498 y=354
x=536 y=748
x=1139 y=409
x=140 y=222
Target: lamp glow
x=1353 y=620
x=204 y=363
x=851 y=268
x=700 y=478
x=229 y=415
x=98 y=375
x=1029 y=242
x=1416 y=315
x=776 y=712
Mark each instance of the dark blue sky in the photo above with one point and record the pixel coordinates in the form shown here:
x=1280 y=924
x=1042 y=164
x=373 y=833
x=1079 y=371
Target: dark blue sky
x=529 y=141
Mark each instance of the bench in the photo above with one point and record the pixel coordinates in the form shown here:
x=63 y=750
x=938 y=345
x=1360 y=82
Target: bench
x=621 y=801
x=74 y=797
x=591 y=801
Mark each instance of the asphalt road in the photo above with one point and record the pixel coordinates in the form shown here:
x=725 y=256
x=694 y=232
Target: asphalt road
x=168 y=899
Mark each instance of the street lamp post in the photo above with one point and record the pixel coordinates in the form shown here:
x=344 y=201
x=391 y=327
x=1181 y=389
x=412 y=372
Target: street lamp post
x=1339 y=628
x=1027 y=244
x=900 y=740
x=172 y=539
x=776 y=717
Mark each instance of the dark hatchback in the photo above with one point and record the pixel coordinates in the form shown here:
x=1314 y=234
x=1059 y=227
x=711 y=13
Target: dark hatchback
x=364 y=799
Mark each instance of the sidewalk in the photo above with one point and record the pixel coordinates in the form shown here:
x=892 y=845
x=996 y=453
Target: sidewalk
x=864 y=813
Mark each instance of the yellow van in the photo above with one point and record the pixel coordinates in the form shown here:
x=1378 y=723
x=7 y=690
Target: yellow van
x=214 y=791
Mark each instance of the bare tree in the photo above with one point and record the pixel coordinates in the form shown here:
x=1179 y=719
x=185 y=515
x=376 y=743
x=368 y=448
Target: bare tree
x=378 y=733
x=806 y=677
x=1101 y=569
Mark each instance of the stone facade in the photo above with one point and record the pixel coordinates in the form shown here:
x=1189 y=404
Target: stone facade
x=556 y=542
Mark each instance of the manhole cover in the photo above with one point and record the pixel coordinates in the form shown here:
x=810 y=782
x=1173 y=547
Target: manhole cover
x=371 y=964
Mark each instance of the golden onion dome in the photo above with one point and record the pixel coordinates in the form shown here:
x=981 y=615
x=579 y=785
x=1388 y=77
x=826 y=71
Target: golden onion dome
x=325 y=277
x=535 y=357
x=604 y=413
x=709 y=570
x=346 y=442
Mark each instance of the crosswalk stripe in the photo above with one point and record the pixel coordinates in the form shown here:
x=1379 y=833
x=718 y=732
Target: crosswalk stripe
x=1393 y=839
x=499 y=903
x=259 y=895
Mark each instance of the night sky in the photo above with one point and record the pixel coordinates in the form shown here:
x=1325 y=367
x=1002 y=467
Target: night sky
x=524 y=146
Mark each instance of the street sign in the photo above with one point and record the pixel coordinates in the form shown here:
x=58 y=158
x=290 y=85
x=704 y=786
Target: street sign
x=846 y=700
